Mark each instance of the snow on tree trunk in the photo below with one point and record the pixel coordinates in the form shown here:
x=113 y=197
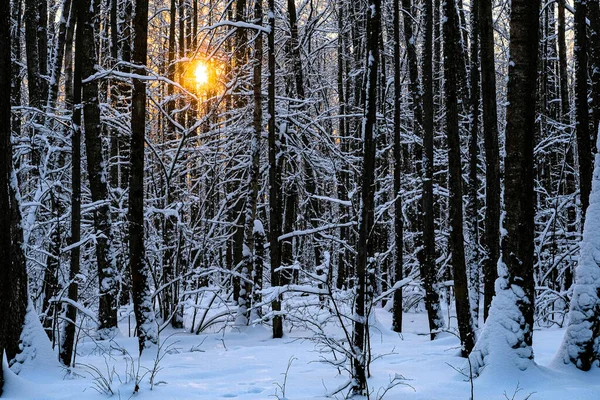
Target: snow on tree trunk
x=13 y=274
x=506 y=340
x=581 y=343
x=140 y=270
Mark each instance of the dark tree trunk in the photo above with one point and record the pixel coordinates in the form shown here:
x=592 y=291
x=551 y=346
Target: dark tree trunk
x=125 y=43
x=507 y=335
x=562 y=59
x=107 y=280
x=410 y=41
x=114 y=96
x=492 y=156
x=310 y=185
x=254 y=235
x=169 y=235
x=398 y=221
x=274 y=181
x=13 y=275
x=181 y=11
x=65 y=21
x=140 y=271
x=290 y=202
x=34 y=79
x=565 y=118
x=51 y=285
x=68 y=345
x=195 y=24
x=342 y=174
x=366 y=217
x=582 y=118
x=16 y=65
x=473 y=208
x=518 y=243
x=594 y=54
x=42 y=38
x=456 y=241
x=237 y=216
x=250 y=228
x=428 y=264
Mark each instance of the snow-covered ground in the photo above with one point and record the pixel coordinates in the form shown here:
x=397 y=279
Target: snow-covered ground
x=248 y=364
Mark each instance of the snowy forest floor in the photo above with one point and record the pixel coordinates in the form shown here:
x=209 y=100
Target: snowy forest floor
x=249 y=364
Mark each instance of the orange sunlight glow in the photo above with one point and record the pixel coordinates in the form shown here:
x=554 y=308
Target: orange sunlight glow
x=201 y=74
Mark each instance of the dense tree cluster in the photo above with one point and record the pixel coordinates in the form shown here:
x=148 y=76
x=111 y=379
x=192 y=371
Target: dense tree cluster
x=201 y=164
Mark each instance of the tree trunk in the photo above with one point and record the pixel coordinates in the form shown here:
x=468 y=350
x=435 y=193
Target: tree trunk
x=398 y=220
x=310 y=184
x=169 y=235
x=594 y=55
x=456 y=241
x=366 y=217
x=34 y=80
x=13 y=275
x=507 y=336
x=140 y=271
x=68 y=344
x=237 y=216
x=16 y=65
x=107 y=279
x=254 y=235
x=125 y=42
x=565 y=118
x=580 y=345
x=342 y=175
x=473 y=185
x=274 y=181
x=491 y=240
x=42 y=37
x=65 y=20
x=582 y=118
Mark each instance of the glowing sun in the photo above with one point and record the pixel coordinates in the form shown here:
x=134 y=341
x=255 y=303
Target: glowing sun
x=201 y=74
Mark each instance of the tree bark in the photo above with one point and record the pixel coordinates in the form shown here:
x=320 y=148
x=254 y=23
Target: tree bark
x=310 y=184
x=594 y=56
x=428 y=263
x=13 y=275
x=366 y=217
x=16 y=65
x=65 y=20
x=456 y=241
x=68 y=344
x=34 y=79
x=140 y=271
x=398 y=221
x=506 y=338
x=491 y=240
x=170 y=300
x=274 y=180
x=582 y=118
x=342 y=175
x=254 y=234
x=473 y=189
x=107 y=277
x=42 y=38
